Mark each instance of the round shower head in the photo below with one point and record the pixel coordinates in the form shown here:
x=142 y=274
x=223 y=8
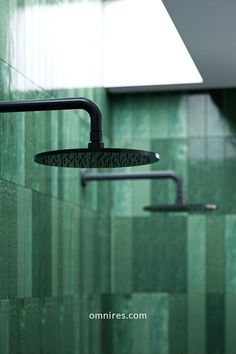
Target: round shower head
x=101 y=158
x=180 y=207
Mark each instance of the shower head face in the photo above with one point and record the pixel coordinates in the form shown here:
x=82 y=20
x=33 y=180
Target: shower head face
x=103 y=158
x=180 y=207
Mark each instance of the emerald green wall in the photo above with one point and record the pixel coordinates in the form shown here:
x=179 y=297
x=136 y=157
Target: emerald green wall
x=178 y=268
x=67 y=251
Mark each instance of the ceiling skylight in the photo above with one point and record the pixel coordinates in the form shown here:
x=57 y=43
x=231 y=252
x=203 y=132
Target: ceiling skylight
x=143 y=47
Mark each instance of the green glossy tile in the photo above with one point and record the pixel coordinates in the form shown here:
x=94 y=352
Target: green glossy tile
x=122 y=119
x=121 y=255
x=55 y=236
x=196 y=244
x=104 y=196
x=4 y=277
x=31 y=326
x=24 y=242
x=14 y=342
x=76 y=323
x=215 y=171
x=162 y=191
x=85 y=324
x=9 y=147
x=159 y=112
x=89 y=194
x=95 y=325
x=167 y=269
x=216 y=125
x=197 y=186
x=215 y=323
x=141 y=116
x=102 y=255
x=70 y=244
x=230 y=323
x=142 y=331
x=142 y=247
x=50 y=317
x=229 y=200
x=66 y=325
x=230 y=254
x=177 y=118
x=122 y=329
x=57 y=260
x=41 y=245
x=178 y=326
x=87 y=234
x=196 y=115
x=4 y=326
x=141 y=197
x=159 y=318
x=4 y=80
x=121 y=198
x=106 y=325
x=196 y=323
x=215 y=256
x=8 y=227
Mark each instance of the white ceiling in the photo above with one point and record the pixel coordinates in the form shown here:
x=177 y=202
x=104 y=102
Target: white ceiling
x=208 y=29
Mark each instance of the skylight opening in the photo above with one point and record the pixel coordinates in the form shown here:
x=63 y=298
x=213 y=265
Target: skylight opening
x=143 y=47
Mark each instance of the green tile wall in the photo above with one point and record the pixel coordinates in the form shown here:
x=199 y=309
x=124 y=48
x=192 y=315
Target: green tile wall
x=187 y=260
x=54 y=235
x=66 y=251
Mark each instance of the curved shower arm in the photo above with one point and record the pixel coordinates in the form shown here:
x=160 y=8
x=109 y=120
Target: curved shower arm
x=62 y=104
x=86 y=177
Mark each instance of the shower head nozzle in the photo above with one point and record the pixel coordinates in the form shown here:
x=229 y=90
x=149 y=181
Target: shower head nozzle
x=180 y=207
x=101 y=158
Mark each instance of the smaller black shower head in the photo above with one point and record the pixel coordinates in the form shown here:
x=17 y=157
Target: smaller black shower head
x=101 y=158
x=180 y=207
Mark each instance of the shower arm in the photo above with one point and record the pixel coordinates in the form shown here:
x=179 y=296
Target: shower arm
x=86 y=177
x=62 y=104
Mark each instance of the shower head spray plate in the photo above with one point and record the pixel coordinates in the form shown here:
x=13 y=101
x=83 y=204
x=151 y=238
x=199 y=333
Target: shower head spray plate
x=103 y=158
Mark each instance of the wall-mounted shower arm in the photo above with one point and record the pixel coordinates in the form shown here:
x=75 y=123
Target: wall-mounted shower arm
x=95 y=155
x=86 y=177
x=62 y=104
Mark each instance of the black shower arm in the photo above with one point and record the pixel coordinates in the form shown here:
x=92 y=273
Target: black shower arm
x=86 y=177
x=62 y=104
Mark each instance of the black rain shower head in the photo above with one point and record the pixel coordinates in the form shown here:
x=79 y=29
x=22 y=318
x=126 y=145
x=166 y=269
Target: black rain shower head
x=101 y=158
x=180 y=207
x=95 y=155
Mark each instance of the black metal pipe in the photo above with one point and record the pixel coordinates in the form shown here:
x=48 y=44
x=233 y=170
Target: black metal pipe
x=62 y=104
x=86 y=177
